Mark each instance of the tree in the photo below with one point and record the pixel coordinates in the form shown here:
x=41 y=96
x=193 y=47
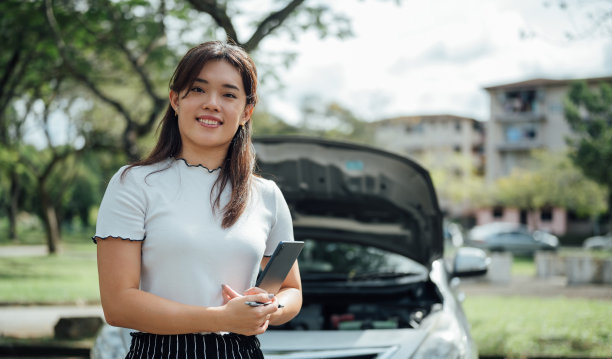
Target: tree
x=552 y=181
x=28 y=62
x=43 y=163
x=292 y=16
x=590 y=18
x=332 y=120
x=458 y=185
x=107 y=44
x=589 y=113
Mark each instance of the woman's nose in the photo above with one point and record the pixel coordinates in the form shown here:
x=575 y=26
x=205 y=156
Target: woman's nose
x=211 y=102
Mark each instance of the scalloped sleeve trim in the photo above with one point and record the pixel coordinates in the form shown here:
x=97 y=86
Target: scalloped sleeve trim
x=95 y=238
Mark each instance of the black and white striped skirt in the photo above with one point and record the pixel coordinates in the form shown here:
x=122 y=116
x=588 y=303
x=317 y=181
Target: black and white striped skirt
x=194 y=346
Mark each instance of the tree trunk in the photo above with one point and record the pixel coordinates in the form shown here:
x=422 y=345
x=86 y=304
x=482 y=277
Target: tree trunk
x=49 y=219
x=13 y=207
x=130 y=138
x=609 y=209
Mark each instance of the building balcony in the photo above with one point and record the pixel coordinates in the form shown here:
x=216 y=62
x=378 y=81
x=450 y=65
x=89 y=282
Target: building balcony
x=519 y=146
x=519 y=117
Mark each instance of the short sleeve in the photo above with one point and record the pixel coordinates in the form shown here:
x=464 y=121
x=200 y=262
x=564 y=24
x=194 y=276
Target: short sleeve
x=282 y=228
x=123 y=209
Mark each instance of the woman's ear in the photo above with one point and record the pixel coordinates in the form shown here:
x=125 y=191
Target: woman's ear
x=174 y=97
x=248 y=112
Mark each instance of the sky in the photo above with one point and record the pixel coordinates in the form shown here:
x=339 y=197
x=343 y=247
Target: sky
x=436 y=56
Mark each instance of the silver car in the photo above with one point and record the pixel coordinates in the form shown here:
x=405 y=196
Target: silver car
x=511 y=237
x=375 y=283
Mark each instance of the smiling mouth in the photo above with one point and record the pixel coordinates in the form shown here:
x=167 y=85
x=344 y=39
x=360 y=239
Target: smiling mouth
x=209 y=122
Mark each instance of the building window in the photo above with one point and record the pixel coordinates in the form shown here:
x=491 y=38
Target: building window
x=546 y=214
x=498 y=212
x=523 y=216
x=513 y=134
x=457 y=126
x=521 y=133
x=555 y=107
x=530 y=133
x=457 y=149
x=520 y=101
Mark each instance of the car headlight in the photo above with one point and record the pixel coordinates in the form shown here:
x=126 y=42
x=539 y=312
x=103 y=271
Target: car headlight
x=446 y=340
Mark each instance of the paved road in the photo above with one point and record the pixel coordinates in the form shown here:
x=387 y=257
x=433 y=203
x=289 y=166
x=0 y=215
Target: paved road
x=23 y=250
x=537 y=287
x=39 y=321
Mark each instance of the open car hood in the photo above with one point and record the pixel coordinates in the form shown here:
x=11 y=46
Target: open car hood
x=354 y=193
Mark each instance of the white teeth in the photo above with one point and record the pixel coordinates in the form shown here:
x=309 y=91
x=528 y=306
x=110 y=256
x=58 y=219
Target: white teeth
x=208 y=122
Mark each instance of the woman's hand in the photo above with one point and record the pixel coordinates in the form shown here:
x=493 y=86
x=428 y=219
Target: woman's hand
x=242 y=318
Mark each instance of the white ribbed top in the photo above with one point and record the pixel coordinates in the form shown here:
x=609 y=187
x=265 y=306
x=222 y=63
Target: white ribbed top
x=186 y=254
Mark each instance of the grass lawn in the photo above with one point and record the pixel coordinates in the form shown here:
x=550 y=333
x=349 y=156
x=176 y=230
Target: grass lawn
x=518 y=327
x=68 y=277
x=523 y=266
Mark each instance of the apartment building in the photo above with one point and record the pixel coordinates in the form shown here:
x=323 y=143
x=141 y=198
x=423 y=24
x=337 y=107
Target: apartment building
x=433 y=136
x=525 y=116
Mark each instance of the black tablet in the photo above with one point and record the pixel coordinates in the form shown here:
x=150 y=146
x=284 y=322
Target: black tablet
x=279 y=266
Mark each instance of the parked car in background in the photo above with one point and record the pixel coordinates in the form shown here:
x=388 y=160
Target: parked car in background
x=511 y=237
x=375 y=284
x=603 y=242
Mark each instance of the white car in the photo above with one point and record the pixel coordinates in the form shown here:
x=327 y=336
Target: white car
x=375 y=284
x=603 y=242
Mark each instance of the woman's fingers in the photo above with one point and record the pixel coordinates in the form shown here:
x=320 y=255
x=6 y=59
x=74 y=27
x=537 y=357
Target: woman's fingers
x=245 y=318
x=227 y=290
x=254 y=290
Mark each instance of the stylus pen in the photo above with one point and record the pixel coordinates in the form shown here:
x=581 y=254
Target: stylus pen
x=257 y=304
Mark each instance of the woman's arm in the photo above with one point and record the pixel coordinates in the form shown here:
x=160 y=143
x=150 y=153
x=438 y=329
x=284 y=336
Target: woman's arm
x=125 y=305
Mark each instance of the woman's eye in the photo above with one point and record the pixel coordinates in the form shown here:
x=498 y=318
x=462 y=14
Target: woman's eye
x=230 y=95
x=197 y=89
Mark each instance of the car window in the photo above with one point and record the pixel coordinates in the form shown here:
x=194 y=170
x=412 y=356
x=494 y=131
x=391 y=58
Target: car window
x=522 y=237
x=351 y=259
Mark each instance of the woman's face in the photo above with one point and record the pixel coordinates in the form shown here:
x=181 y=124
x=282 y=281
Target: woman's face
x=210 y=111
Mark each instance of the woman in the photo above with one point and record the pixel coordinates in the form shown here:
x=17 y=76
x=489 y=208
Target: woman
x=181 y=234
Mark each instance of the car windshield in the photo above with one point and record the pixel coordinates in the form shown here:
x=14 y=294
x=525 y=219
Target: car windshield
x=326 y=260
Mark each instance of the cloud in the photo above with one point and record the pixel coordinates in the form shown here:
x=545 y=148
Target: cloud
x=442 y=53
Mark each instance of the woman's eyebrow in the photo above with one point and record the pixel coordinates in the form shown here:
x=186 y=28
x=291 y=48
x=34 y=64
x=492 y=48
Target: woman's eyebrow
x=230 y=86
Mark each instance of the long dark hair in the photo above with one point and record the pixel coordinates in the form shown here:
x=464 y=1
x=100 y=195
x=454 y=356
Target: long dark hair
x=238 y=167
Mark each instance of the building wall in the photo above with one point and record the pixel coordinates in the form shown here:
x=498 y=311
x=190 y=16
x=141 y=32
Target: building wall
x=434 y=136
x=557 y=224
x=515 y=128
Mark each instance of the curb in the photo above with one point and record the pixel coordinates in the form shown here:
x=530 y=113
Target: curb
x=85 y=303
x=43 y=351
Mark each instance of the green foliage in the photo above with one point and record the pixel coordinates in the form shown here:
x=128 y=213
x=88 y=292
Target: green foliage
x=267 y=124
x=456 y=179
x=332 y=121
x=553 y=180
x=589 y=113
